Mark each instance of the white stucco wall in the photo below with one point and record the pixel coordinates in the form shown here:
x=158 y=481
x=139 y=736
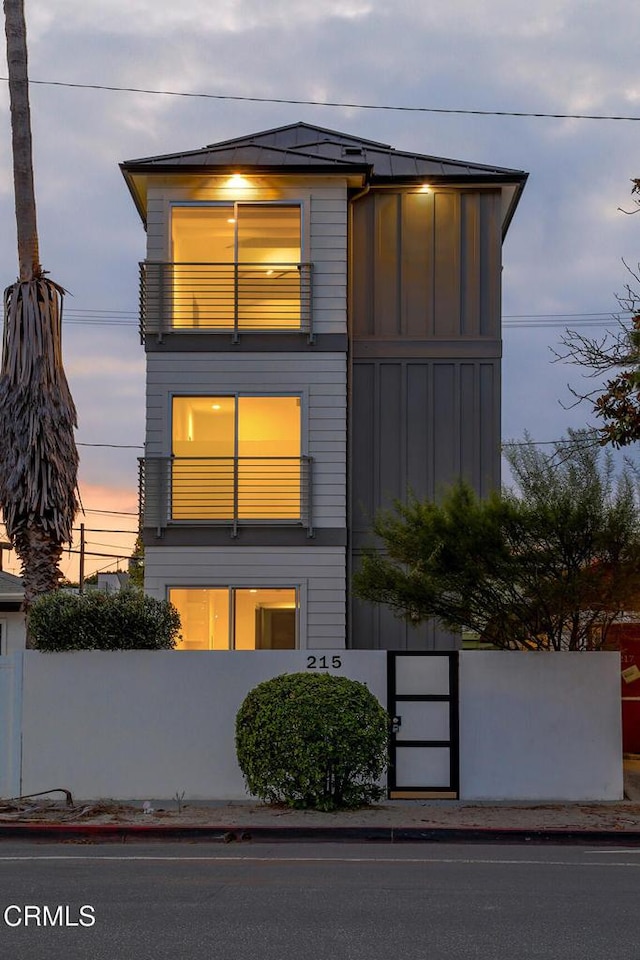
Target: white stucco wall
x=140 y=725
x=12 y=632
x=543 y=726
x=10 y=723
x=147 y=725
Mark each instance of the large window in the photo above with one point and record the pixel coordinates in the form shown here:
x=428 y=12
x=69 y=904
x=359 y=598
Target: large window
x=236 y=266
x=236 y=457
x=237 y=618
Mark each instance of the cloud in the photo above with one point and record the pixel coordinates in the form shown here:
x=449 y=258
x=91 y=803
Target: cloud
x=564 y=248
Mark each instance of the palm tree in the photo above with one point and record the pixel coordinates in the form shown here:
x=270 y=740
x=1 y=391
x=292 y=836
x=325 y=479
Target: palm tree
x=39 y=460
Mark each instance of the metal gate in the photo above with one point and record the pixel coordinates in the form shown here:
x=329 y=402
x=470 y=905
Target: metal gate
x=422 y=697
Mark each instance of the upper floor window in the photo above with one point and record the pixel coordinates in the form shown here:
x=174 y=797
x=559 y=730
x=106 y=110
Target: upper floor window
x=236 y=457
x=237 y=266
x=243 y=233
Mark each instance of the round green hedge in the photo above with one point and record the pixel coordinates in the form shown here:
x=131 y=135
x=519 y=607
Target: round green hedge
x=312 y=740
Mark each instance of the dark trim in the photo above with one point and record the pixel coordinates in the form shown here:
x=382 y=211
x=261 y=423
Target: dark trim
x=393 y=699
x=10 y=606
x=423 y=697
x=196 y=536
x=470 y=348
x=200 y=342
x=339 y=168
x=464 y=178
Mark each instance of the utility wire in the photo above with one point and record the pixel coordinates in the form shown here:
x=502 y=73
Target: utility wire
x=331 y=103
x=114 y=446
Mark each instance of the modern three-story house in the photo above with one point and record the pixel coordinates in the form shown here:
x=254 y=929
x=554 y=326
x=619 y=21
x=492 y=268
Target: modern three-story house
x=322 y=326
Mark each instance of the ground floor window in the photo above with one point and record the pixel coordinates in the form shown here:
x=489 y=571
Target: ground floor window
x=237 y=618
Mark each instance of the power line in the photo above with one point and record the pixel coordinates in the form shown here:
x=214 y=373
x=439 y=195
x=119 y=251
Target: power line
x=520 y=321
x=91 y=553
x=113 y=513
x=112 y=446
x=103 y=530
x=330 y=103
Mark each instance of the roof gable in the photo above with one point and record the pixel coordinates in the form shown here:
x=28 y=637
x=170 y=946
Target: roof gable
x=304 y=149
x=301 y=145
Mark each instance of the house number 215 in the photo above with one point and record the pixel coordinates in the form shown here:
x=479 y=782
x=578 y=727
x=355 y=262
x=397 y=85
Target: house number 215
x=321 y=663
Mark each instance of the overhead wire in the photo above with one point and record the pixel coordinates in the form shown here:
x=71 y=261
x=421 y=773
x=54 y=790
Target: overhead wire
x=332 y=103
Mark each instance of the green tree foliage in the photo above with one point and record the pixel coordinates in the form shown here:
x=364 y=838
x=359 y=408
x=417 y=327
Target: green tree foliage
x=128 y=620
x=136 y=564
x=550 y=564
x=312 y=740
x=617 y=405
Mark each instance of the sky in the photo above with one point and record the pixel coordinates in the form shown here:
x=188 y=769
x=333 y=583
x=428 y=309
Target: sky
x=563 y=255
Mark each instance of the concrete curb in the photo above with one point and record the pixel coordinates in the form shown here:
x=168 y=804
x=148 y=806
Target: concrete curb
x=134 y=833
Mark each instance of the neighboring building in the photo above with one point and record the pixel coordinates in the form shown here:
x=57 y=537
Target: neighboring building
x=12 y=622
x=321 y=318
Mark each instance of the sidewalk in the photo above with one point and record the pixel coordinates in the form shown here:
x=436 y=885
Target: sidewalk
x=615 y=822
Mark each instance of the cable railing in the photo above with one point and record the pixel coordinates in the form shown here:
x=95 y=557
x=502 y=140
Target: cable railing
x=225 y=297
x=226 y=491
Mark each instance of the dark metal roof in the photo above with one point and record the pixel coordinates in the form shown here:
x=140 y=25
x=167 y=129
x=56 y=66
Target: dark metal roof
x=303 y=146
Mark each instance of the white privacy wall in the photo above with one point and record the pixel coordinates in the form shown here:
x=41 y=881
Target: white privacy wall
x=540 y=726
x=141 y=724
x=147 y=725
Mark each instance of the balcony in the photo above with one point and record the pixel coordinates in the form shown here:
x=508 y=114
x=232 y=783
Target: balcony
x=229 y=298
x=226 y=491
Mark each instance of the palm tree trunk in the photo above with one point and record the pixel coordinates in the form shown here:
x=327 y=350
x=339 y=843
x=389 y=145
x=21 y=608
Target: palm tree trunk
x=39 y=462
x=16 y=31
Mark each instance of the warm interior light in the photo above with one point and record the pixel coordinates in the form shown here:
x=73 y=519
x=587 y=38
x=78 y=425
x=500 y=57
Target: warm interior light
x=231 y=220
x=215 y=406
x=237 y=181
x=425 y=188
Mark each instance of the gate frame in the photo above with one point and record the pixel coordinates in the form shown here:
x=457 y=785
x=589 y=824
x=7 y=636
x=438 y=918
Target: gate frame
x=448 y=791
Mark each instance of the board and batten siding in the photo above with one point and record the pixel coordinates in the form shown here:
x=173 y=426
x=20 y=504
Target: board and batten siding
x=324 y=226
x=416 y=426
x=320 y=380
x=427 y=265
x=319 y=574
x=425 y=373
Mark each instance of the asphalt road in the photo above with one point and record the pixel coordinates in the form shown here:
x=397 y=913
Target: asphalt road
x=319 y=902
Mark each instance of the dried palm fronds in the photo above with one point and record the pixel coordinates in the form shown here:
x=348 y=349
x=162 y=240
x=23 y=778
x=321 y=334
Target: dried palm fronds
x=39 y=460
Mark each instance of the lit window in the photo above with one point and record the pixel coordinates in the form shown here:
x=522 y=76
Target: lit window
x=236 y=265
x=236 y=457
x=222 y=618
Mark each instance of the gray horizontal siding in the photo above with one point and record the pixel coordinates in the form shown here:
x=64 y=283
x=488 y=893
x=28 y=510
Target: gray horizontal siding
x=320 y=379
x=319 y=573
x=324 y=205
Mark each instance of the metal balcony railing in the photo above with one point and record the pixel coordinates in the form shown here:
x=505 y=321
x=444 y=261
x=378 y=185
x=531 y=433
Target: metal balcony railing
x=226 y=491
x=225 y=297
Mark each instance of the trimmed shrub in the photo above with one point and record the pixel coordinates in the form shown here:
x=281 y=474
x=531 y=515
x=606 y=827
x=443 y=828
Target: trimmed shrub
x=312 y=740
x=129 y=620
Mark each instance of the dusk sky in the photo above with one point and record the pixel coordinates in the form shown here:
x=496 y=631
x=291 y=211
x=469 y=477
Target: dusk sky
x=562 y=256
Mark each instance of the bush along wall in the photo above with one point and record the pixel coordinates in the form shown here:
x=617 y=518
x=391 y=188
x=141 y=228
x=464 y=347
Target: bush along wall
x=128 y=620
x=316 y=741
